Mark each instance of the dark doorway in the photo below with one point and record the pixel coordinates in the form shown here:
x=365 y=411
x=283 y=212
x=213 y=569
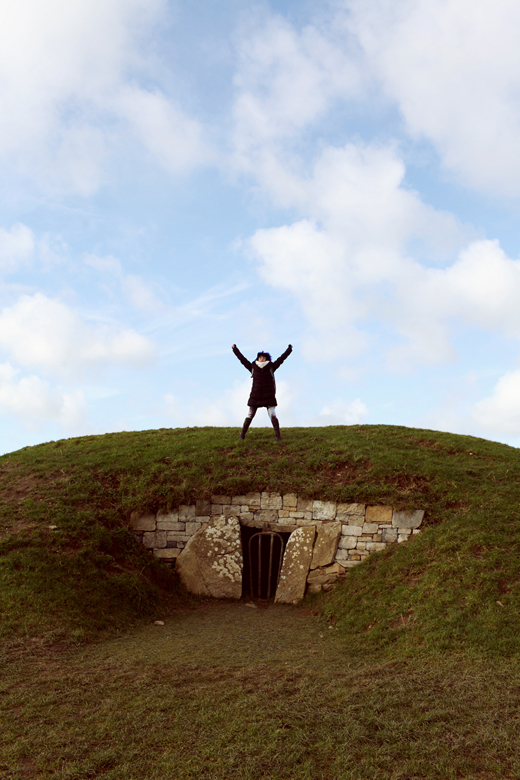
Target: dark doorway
x=263 y=554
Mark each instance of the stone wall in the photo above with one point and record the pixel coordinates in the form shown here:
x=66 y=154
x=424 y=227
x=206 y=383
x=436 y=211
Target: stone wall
x=345 y=533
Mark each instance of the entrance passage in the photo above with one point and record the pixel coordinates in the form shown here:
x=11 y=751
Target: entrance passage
x=262 y=561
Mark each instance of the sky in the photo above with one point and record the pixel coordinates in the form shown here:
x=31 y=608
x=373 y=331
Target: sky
x=178 y=176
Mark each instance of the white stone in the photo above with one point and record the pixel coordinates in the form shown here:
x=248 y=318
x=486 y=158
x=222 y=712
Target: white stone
x=323 y=510
x=290 y=501
x=407 y=519
x=271 y=501
x=348 y=542
x=351 y=530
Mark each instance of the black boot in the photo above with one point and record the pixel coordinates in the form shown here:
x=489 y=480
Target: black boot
x=276 y=426
x=247 y=423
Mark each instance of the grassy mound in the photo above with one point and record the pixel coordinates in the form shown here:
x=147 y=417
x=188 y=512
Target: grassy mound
x=456 y=585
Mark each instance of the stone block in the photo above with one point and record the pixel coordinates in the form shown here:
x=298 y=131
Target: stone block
x=348 y=542
x=320 y=577
x=334 y=568
x=186 y=512
x=378 y=514
x=282 y=528
x=290 y=501
x=351 y=530
x=163 y=524
x=249 y=521
x=404 y=531
x=266 y=515
x=202 y=519
x=175 y=536
x=159 y=539
x=323 y=510
x=270 y=501
x=389 y=535
x=283 y=513
x=377 y=538
x=251 y=499
x=326 y=544
x=168 y=553
x=351 y=509
x=416 y=531
x=211 y=562
x=231 y=510
x=411 y=518
x=202 y=508
x=304 y=505
x=342 y=555
x=305 y=523
x=402 y=538
x=295 y=566
x=149 y=539
x=370 y=528
x=216 y=509
x=221 y=500
x=355 y=520
x=192 y=528
x=361 y=546
x=301 y=515
x=354 y=557
x=375 y=546
x=351 y=564
x=142 y=522
x=314 y=587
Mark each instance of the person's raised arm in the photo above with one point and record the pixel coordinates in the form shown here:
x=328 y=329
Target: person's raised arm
x=277 y=363
x=242 y=359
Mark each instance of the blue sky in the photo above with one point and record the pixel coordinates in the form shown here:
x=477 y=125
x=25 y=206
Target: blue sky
x=181 y=176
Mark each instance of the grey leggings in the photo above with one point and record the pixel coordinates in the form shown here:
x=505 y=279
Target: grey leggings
x=271 y=411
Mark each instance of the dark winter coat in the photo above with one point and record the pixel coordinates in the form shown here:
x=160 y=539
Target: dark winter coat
x=263 y=392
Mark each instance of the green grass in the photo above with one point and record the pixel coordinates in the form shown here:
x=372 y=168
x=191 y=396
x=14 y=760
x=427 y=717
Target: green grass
x=455 y=585
x=229 y=693
x=409 y=669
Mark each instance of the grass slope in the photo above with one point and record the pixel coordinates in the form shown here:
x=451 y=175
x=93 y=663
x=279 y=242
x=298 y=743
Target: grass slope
x=455 y=586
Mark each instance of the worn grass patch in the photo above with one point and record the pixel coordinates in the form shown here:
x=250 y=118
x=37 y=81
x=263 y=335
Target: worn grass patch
x=227 y=692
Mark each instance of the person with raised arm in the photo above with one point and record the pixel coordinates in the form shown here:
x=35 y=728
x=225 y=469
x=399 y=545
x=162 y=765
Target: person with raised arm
x=263 y=390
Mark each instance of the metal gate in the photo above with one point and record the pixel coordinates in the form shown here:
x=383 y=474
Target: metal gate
x=265 y=563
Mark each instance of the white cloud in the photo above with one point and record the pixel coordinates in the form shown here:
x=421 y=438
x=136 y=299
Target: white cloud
x=341 y=412
x=16 y=247
x=285 y=80
x=170 y=136
x=138 y=293
x=68 y=92
x=453 y=67
x=350 y=261
x=34 y=401
x=40 y=331
x=500 y=412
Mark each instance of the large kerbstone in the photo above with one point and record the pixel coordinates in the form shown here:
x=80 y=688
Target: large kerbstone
x=295 y=567
x=326 y=544
x=211 y=563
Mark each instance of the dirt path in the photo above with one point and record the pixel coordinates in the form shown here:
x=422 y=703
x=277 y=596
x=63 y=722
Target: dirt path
x=221 y=634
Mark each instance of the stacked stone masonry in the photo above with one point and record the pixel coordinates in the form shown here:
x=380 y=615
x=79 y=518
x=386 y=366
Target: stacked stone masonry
x=355 y=530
